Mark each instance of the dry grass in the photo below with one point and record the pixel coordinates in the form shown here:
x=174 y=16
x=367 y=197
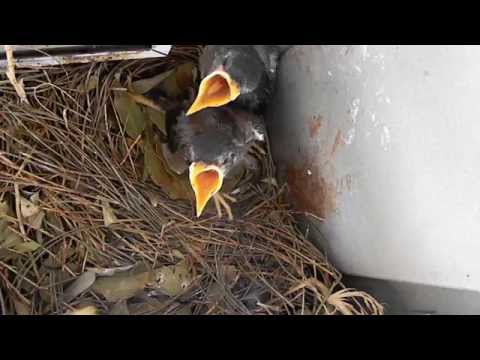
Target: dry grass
x=69 y=145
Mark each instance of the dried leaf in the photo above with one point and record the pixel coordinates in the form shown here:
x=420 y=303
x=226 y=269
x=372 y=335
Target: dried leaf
x=88 y=310
x=230 y=274
x=175 y=162
x=120 y=308
x=7 y=255
x=185 y=75
x=145 y=85
x=26 y=247
x=157 y=118
x=10 y=72
x=178 y=254
x=122 y=286
x=56 y=262
x=109 y=217
x=152 y=306
x=79 y=285
x=4 y=209
x=110 y=271
x=173 y=280
x=36 y=220
x=91 y=84
x=28 y=208
x=8 y=237
x=170 y=87
x=184 y=310
x=131 y=114
x=20 y=307
x=175 y=186
x=216 y=291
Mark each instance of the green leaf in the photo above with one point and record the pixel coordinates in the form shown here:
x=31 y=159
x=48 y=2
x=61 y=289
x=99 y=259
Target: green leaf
x=145 y=85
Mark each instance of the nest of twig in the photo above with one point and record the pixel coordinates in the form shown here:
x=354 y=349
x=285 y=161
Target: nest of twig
x=82 y=228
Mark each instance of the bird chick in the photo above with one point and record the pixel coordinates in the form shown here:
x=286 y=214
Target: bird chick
x=244 y=74
x=214 y=141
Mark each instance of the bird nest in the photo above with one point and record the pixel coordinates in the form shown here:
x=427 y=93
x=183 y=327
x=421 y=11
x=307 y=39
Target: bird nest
x=93 y=221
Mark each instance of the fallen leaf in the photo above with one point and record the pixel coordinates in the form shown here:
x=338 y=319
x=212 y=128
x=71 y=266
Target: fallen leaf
x=185 y=75
x=152 y=306
x=122 y=286
x=26 y=247
x=176 y=187
x=110 y=271
x=157 y=118
x=175 y=161
x=230 y=274
x=91 y=84
x=36 y=220
x=4 y=209
x=56 y=262
x=88 y=310
x=8 y=237
x=155 y=199
x=216 y=291
x=10 y=72
x=145 y=85
x=173 y=280
x=20 y=307
x=170 y=87
x=120 y=308
x=178 y=254
x=109 y=217
x=131 y=114
x=184 y=310
x=7 y=255
x=28 y=208
x=79 y=285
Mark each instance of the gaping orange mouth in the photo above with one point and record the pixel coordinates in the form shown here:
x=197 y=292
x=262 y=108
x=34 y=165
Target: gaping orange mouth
x=206 y=181
x=217 y=89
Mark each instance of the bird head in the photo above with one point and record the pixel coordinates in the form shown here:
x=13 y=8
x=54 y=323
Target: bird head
x=216 y=89
x=206 y=181
x=231 y=72
x=206 y=178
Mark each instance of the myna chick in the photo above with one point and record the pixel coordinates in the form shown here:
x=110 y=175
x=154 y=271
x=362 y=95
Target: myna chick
x=214 y=142
x=244 y=74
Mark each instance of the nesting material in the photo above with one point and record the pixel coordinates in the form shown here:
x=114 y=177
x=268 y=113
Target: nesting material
x=117 y=232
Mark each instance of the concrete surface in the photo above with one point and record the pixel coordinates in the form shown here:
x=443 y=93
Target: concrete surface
x=383 y=143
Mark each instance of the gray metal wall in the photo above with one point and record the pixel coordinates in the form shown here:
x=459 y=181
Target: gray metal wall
x=383 y=142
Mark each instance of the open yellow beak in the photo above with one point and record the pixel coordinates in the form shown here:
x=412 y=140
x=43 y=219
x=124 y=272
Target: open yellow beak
x=206 y=181
x=217 y=89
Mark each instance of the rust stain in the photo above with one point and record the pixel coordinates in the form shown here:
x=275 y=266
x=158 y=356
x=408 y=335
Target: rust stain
x=314 y=125
x=310 y=191
x=337 y=144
